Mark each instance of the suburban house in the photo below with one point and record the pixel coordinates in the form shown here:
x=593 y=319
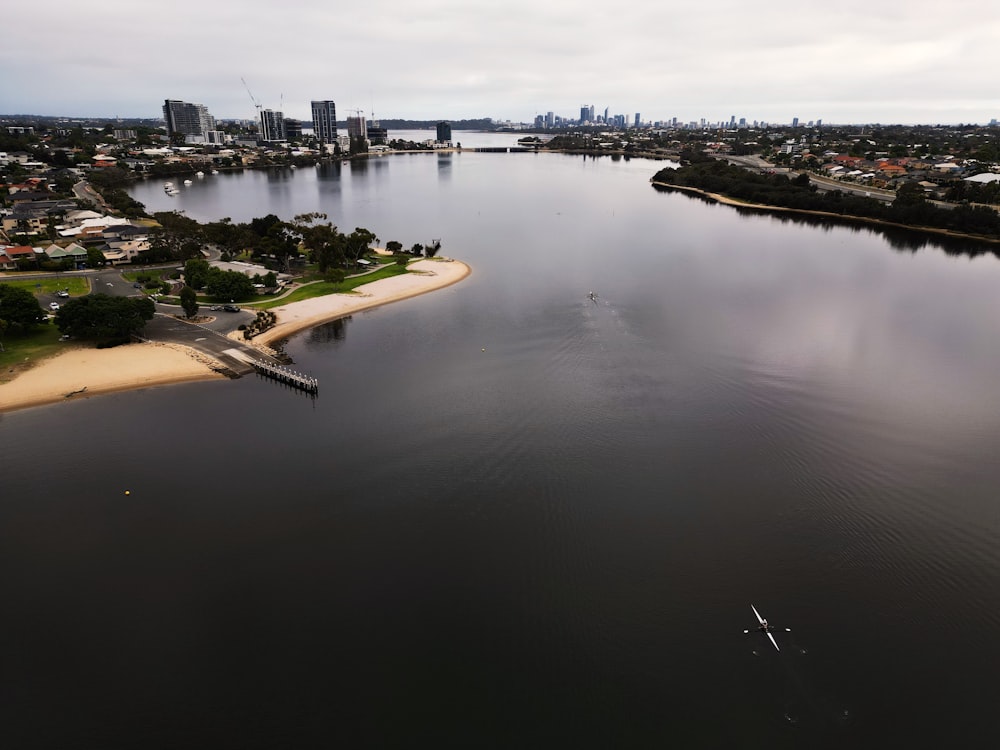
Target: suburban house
x=76 y=253
x=22 y=253
x=123 y=243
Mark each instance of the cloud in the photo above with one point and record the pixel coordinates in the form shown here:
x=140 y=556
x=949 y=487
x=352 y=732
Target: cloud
x=852 y=61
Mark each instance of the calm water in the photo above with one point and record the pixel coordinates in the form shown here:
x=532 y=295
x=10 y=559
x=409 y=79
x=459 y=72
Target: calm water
x=550 y=543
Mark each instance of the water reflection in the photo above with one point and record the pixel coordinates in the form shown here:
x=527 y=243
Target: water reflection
x=444 y=165
x=899 y=238
x=334 y=332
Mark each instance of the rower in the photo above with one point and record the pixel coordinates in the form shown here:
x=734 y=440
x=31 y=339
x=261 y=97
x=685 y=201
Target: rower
x=763 y=626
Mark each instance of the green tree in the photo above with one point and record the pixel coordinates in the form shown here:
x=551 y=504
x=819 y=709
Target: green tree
x=356 y=244
x=189 y=301
x=229 y=286
x=95 y=258
x=196 y=272
x=394 y=247
x=104 y=318
x=19 y=309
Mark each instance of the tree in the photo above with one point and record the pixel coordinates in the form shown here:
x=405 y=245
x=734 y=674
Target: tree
x=104 y=318
x=95 y=258
x=394 y=247
x=326 y=245
x=431 y=250
x=189 y=301
x=335 y=275
x=229 y=285
x=196 y=273
x=357 y=242
x=19 y=309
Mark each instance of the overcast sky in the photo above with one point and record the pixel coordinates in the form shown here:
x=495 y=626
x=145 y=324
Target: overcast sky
x=889 y=61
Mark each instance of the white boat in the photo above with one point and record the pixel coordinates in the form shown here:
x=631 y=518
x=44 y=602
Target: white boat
x=173 y=191
x=199 y=174
x=187 y=182
x=167 y=185
x=763 y=623
x=215 y=171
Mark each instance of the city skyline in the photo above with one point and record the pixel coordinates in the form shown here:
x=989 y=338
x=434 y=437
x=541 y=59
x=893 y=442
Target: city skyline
x=857 y=63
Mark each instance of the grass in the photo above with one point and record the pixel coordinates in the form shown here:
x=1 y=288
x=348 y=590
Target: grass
x=323 y=288
x=22 y=351
x=76 y=285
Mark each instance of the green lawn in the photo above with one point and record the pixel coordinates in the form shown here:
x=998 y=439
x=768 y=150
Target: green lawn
x=75 y=285
x=19 y=350
x=323 y=288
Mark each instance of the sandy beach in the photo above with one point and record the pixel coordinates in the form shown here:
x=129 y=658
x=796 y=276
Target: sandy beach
x=425 y=276
x=83 y=372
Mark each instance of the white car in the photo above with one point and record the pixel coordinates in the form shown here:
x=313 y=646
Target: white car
x=62 y=294
x=53 y=305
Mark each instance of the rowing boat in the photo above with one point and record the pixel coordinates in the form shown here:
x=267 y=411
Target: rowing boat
x=766 y=632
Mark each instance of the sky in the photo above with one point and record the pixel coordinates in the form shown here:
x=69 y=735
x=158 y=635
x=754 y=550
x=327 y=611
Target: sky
x=852 y=61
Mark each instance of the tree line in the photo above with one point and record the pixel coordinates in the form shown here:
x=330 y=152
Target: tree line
x=910 y=206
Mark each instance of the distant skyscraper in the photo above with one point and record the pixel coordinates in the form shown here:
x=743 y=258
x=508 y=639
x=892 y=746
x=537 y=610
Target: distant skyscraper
x=795 y=122
x=325 y=121
x=357 y=127
x=584 y=114
x=637 y=119
x=188 y=119
x=590 y=113
x=550 y=119
x=443 y=132
x=272 y=125
x=606 y=114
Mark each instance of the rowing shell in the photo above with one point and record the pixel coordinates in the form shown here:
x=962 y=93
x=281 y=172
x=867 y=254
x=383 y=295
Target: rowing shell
x=766 y=632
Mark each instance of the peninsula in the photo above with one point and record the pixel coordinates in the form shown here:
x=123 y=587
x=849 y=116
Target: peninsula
x=83 y=372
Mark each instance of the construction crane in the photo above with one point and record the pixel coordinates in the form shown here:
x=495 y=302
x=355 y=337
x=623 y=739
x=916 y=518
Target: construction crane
x=252 y=97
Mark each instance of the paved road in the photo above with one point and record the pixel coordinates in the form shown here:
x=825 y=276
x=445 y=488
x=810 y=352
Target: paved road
x=233 y=354
x=83 y=191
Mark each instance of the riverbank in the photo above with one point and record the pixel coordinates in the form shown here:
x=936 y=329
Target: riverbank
x=726 y=200
x=84 y=372
x=426 y=275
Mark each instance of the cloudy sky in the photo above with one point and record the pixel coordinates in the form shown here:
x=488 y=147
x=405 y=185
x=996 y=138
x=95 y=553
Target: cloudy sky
x=889 y=61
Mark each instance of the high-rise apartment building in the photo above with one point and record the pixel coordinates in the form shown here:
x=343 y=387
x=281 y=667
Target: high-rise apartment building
x=444 y=132
x=187 y=119
x=357 y=127
x=272 y=125
x=325 y=121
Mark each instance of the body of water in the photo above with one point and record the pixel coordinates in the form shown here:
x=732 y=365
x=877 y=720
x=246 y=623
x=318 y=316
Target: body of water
x=518 y=517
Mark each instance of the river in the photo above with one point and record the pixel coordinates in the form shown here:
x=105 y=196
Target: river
x=519 y=517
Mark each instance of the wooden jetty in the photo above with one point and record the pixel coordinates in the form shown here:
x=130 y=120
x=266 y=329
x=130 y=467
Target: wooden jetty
x=287 y=376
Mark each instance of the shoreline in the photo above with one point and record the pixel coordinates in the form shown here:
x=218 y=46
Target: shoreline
x=426 y=275
x=849 y=218
x=83 y=372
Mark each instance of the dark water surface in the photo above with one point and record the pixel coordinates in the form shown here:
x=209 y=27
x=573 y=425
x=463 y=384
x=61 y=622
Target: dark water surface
x=554 y=542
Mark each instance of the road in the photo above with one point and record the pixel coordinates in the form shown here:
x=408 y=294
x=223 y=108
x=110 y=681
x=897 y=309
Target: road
x=84 y=192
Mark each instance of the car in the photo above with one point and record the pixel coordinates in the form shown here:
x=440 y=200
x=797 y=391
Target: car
x=137 y=285
x=110 y=284
x=53 y=305
x=63 y=293
x=230 y=308
x=216 y=308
